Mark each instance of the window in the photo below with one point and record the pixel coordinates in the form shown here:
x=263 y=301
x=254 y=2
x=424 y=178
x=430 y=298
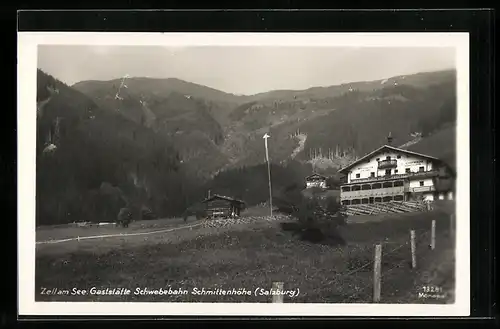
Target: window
x=387 y=172
x=395 y=171
x=421 y=183
x=388 y=157
x=378 y=159
x=408 y=170
x=358 y=175
x=372 y=174
x=421 y=169
x=399 y=156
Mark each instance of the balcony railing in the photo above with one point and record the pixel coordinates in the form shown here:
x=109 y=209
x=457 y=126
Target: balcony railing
x=386 y=164
x=398 y=190
x=420 y=174
x=422 y=189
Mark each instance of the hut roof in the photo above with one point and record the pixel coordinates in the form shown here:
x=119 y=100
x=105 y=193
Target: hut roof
x=315 y=175
x=222 y=197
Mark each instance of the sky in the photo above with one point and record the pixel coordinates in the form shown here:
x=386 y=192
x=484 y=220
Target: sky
x=241 y=70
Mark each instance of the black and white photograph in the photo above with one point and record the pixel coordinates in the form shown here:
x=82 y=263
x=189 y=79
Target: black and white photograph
x=252 y=174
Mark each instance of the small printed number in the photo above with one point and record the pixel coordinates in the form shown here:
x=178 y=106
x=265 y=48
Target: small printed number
x=432 y=289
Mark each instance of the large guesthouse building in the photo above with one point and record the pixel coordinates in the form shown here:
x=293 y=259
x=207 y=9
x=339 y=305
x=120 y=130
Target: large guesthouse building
x=392 y=174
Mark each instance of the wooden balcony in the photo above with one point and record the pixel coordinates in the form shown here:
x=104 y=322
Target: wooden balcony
x=389 y=191
x=420 y=174
x=419 y=189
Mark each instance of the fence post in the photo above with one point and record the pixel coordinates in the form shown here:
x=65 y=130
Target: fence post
x=433 y=235
x=78 y=238
x=377 y=273
x=413 y=249
x=278 y=287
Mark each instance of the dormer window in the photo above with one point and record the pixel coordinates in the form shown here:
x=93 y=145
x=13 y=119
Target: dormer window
x=399 y=156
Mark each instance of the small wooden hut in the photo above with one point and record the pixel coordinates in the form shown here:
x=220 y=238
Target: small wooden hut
x=316 y=180
x=222 y=206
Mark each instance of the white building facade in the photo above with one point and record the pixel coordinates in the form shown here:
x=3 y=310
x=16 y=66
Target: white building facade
x=392 y=174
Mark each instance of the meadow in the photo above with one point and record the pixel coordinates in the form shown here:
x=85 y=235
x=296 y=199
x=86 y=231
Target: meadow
x=251 y=256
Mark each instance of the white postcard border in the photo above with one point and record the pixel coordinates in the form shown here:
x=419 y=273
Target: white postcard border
x=27 y=68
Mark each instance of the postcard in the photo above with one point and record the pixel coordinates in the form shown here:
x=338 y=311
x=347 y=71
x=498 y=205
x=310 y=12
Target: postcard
x=292 y=174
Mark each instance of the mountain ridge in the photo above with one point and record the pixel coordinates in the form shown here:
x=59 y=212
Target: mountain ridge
x=260 y=95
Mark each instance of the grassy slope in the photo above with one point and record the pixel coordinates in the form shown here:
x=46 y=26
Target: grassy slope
x=248 y=257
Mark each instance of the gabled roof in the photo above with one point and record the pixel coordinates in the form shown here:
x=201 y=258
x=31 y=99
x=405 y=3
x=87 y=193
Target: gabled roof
x=217 y=196
x=380 y=149
x=315 y=174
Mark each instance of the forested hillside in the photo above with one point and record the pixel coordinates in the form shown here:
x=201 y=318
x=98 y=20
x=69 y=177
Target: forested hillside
x=187 y=120
x=90 y=161
x=356 y=118
x=162 y=143
x=441 y=144
x=250 y=183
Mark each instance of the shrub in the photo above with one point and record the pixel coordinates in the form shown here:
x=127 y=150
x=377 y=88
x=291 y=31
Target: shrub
x=197 y=209
x=333 y=182
x=147 y=214
x=315 y=223
x=332 y=205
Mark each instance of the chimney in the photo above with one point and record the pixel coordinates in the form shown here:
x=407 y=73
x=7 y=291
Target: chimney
x=389 y=139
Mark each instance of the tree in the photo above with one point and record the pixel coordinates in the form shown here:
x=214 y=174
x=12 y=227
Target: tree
x=333 y=183
x=307 y=211
x=332 y=206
